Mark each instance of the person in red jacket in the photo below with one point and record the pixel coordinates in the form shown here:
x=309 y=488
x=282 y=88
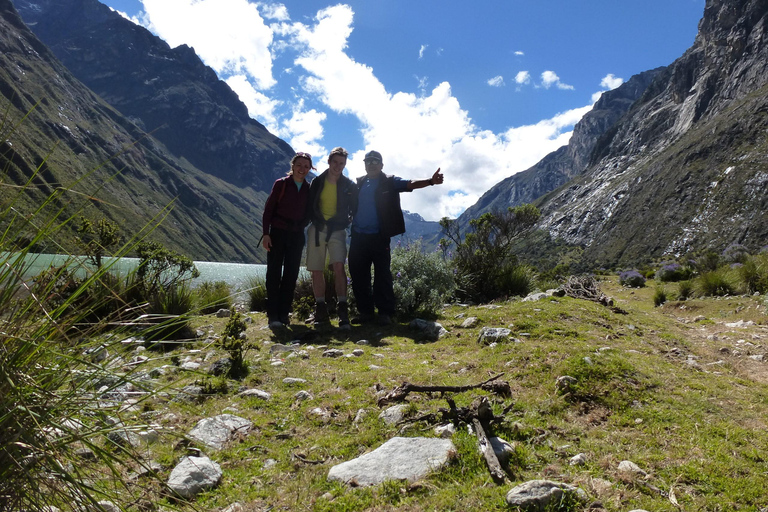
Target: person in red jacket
x=284 y=220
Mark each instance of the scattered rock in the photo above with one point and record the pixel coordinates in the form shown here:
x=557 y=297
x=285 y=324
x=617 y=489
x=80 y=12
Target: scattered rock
x=290 y=381
x=430 y=330
x=334 y=352
x=217 y=431
x=223 y=313
x=540 y=495
x=400 y=458
x=578 y=460
x=445 y=431
x=627 y=466
x=193 y=475
x=470 y=322
x=394 y=414
x=255 y=393
x=490 y=335
x=565 y=383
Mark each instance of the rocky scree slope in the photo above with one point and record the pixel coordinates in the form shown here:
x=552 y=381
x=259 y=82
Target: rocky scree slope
x=686 y=168
x=560 y=166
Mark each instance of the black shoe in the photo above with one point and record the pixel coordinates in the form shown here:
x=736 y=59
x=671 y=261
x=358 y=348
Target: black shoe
x=320 y=316
x=343 y=312
x=364 y=318
x=285 y=319
x=384 y=319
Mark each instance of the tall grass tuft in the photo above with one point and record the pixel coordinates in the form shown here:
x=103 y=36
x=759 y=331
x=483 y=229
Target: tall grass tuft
x=256 y=288
x=53 y=355
x=213 y=296
x=714 y=284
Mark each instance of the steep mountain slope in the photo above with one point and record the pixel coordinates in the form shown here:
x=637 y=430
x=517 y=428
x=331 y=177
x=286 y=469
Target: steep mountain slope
x=167 y=92
x=562 y=165
x=687 y=168
x=107 y=165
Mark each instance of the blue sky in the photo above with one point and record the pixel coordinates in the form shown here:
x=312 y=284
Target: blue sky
x=482 y=90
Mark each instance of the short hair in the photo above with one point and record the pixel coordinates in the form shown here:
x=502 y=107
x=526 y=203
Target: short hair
x=337 y=151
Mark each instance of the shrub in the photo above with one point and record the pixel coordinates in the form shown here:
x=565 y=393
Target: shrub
x=234 y=343
x=422 y=282
x=714 y=284
x=631 y=279
x=735 y=253
x=659 y=296
x=684 y=290
x=213 y=296
x=487 y=268
x=256 y=288
x=672 y=272
x=754 y=274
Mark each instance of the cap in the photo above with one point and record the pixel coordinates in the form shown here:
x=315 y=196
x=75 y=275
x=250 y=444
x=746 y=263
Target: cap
x=373 y=155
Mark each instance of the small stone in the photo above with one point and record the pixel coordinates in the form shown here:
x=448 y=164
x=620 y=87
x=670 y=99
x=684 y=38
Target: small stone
x=334 y=352
x=291 y=381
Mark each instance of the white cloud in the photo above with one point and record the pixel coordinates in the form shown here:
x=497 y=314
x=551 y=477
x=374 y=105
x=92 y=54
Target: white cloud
x=611 y=82
x=418 y=134
x=422 y=50
x=497 y=81
x=550 y=78
x=228 y=35
x=523 y=78
x=519 y=53
x=276 y=12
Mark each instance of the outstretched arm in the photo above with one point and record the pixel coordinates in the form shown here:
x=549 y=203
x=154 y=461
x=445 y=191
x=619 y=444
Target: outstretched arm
x=436 y=179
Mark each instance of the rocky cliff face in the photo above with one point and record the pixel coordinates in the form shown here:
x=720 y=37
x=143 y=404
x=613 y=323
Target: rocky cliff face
x=687 y=167
x=167 y=91
x=567 y=162
x=83 y=155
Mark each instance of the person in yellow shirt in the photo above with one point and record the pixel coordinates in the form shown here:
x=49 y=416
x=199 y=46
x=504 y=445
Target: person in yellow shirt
x=330 y=203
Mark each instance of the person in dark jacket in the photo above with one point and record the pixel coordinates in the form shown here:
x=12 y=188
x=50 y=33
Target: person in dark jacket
x=284 y=220
x=377 y=217
x=330 y=200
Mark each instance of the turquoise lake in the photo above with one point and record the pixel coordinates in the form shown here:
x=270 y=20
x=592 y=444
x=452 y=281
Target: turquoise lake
x=234 y=274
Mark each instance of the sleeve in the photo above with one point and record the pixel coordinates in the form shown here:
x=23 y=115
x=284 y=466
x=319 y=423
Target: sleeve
x=400 y=184
x=269 y=208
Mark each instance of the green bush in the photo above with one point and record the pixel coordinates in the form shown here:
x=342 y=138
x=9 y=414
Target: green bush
x=714 y=284
x=659 y=296
x=213 y=296
x=684 y=290
x=422 y=282
x=487 y=268
x=754 y=274
x=256 y=288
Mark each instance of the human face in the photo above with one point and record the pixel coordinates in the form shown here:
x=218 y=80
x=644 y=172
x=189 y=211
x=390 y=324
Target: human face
x=336 y=165
x=373 y=167
x=300 y=168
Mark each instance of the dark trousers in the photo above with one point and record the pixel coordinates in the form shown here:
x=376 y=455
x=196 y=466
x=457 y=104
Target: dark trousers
x=364 y=251
x=283 y=261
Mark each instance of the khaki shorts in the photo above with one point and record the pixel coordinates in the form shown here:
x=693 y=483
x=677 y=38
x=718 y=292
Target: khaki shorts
x=336 y=248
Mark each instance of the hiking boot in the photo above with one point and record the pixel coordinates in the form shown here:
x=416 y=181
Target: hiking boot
x=343 y=312
x=363 y=318
x=275 y=324
x=320 y=316
x=285 y=319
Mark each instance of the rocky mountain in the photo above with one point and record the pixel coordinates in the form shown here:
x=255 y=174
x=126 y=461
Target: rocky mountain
x=73 y=154
x=687 y=168
x=673 y=162
x=167 y=92
x=569 y=161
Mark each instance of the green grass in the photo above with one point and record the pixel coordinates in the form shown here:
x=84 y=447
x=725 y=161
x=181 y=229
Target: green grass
x=699 y=431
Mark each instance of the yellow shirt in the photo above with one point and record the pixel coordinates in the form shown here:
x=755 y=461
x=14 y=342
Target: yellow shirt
x=328 y=200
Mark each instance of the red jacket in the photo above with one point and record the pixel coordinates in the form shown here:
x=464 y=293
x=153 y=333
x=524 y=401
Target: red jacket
x=286 y=206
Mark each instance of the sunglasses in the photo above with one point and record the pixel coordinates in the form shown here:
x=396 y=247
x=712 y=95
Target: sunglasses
x=304 y=155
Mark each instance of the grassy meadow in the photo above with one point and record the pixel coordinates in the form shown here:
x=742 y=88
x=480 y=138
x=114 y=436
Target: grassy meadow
x=672 y=388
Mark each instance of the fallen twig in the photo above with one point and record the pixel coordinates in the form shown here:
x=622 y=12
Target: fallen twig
x=401 y=392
